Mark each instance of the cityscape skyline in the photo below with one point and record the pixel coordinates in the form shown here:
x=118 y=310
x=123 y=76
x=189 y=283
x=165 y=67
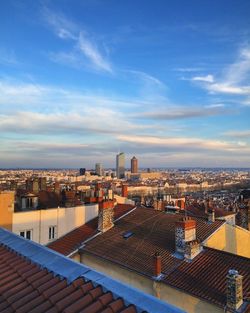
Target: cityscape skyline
x=163 y=81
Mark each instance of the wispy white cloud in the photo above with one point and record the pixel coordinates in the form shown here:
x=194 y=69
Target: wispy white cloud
x=185 y=142
x=62 y=26
x=208 y=78
x=228 y=89
x=19 y=95
x=238 y=133
x=91 y=121
x=188 y=69
x=239 y=71
x=177 y=112
x=234 y=79
x=69 y=30
x=91 y=51
x=148 y=79
x=215 y=105
x=51 y=112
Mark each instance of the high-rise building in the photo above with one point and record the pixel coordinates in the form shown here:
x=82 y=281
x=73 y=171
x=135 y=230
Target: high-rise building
x=134 y=165
x=82 y=171
x=120 y=165
x=99 y=169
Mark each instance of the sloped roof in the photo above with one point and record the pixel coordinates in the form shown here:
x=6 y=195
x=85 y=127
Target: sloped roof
x=35 y=279
x=200 y=212
x=49 y=199
x=152 y=231
x=205 y=276
x=74 y=239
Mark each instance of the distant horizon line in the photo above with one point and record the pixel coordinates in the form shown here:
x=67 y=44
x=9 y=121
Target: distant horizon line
x=110 y=168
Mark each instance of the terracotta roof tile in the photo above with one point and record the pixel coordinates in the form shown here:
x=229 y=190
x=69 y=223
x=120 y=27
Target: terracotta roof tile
x=34 y=290
x=68 y=299
x=116 y=305
x=130 y=309
x=43 y=307
x=34 y=286
x=197 y=211
x=48 y=292
x=204 y=277
x=151 y=231
x=97 y=305
x=73 y=240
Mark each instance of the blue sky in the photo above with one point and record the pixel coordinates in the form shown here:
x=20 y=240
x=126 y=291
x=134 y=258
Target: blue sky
x=167 y=81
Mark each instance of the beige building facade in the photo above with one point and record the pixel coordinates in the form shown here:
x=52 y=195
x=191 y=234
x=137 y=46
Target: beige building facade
x=43 y=226
x=155 y=288
x=230 y=238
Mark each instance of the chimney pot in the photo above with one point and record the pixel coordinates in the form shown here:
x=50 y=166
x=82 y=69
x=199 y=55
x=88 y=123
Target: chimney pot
x=211 y=215
x=157 y=264
x=192 y=248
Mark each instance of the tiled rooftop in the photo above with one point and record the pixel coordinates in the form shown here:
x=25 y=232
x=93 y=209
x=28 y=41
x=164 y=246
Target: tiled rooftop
x=35 y=279
x=49 y=199
x=74 y=239
x=204 y=277
x=200 y=212
x=152 y=231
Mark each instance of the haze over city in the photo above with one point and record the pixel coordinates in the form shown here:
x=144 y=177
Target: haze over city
x=166 y=81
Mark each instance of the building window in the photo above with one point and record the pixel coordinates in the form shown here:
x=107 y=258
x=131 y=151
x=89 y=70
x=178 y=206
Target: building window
x=52 y=232
x=26 y=234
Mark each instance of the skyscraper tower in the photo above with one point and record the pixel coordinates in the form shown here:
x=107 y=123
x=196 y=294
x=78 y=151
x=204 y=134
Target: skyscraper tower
x=120 y=165
x=134 y=165
x=82 y=171
x=99 y=169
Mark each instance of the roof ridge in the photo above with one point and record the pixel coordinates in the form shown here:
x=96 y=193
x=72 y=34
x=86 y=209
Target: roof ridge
x=226 y=252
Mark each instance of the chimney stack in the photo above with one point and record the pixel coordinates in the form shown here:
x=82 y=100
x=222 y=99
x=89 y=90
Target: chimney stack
x=157 y=264
x=234 y=291
x=106 y=215
x=125 y=191
x=192 y=248
x=211 y=216
x=185 y=231
x=158 y=205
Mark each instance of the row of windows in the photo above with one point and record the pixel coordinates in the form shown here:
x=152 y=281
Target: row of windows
x=28 y=233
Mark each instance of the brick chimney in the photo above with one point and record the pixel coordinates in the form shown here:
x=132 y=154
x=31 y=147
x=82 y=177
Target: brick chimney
x=158 y=205
x=125 y=191
x=234 y=291
x=192 y=248
x=106 y=215
x=185 y=231
x=211 y=215
x=157 y=264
